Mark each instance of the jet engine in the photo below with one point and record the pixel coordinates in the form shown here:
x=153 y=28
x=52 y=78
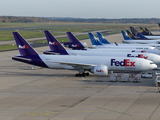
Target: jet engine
x=100 y=70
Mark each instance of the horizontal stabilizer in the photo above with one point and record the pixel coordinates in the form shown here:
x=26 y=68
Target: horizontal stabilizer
x=20 y=58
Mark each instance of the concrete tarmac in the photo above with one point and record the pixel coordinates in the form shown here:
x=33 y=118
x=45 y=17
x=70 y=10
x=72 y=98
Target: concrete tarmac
x=46 y=94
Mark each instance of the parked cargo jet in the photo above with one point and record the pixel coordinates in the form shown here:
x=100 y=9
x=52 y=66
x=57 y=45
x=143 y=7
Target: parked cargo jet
x=56 y=47
x=139 y=49
x=100 y=65
x=136 y=33
x=104 y=41
x=97 y=44
x=135 y=37
x=148 y=32
x=145 y=31
x=128 y=40
x=74 y=43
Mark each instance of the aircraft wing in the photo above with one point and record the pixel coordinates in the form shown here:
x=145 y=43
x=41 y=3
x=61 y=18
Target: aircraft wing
x=137 y=42
x=143 y=43
x=73 y=64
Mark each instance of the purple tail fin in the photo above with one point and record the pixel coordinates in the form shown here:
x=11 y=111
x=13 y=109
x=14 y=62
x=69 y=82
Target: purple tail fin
x=23 y=47
x=54 y=44
x=75 y=43
x=28 y=54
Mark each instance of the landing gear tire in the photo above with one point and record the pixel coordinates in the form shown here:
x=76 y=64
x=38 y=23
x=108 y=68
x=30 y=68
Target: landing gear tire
x=76 y=75
x=87 y=74
x=81 y=75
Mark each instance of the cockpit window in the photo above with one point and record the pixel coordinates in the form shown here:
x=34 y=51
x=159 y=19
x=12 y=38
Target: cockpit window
x=151 y=63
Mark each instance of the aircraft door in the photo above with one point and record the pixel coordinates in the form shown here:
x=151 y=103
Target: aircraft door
x=140 y=64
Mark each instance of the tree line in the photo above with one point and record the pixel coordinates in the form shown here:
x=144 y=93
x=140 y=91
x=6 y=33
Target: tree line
x=7 y=19
x=124 y=20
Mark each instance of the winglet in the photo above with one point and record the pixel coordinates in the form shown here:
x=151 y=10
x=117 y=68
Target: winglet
x=102 y=38
x=23 y=47
x=94 y=40
x=54 y=44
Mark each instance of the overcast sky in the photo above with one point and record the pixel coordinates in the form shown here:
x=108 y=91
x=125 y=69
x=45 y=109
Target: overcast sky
x=81 y=8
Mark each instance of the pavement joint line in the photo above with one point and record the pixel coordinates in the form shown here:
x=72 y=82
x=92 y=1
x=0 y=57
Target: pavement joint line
x=115 y=111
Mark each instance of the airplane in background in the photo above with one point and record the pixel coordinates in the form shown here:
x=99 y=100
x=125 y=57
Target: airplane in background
x=100 y=65
x=145 y=31
x=56 y=47
x=74 y=42
x=97 y=44
x=104 y=41
x=135 y=37
x=128 y=40
x=148 y=32
x=140 y=35
x=104 y=50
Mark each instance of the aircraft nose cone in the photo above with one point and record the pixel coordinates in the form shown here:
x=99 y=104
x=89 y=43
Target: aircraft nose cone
x=154 y=66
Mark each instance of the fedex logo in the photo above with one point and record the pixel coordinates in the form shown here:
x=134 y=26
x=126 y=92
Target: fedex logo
x=23 y=47
x=139 y=56
x=143 y=51
x=99 y=70
x=75 y=45
x=125 y=62
x=53 y=43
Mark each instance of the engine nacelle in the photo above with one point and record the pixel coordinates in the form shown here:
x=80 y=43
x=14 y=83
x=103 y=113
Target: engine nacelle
x=85 y=45
x=100 y=70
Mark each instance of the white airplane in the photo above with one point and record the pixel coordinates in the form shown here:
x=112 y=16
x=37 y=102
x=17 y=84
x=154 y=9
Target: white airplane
x=74 y=43
x=128 y=40
x=56 y=47
x=77 y=45
x=104 y=41
x=98 y=65
x=97 y=44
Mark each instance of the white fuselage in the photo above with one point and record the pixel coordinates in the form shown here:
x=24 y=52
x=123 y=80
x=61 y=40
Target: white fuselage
x=122 y=47
x=88 y=62
x=149 y=56
x=128 y=50
x=152 y=37
x=137 y=45
x=142 y=41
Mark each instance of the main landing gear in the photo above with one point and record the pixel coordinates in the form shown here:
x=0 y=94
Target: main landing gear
x=82 y=74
